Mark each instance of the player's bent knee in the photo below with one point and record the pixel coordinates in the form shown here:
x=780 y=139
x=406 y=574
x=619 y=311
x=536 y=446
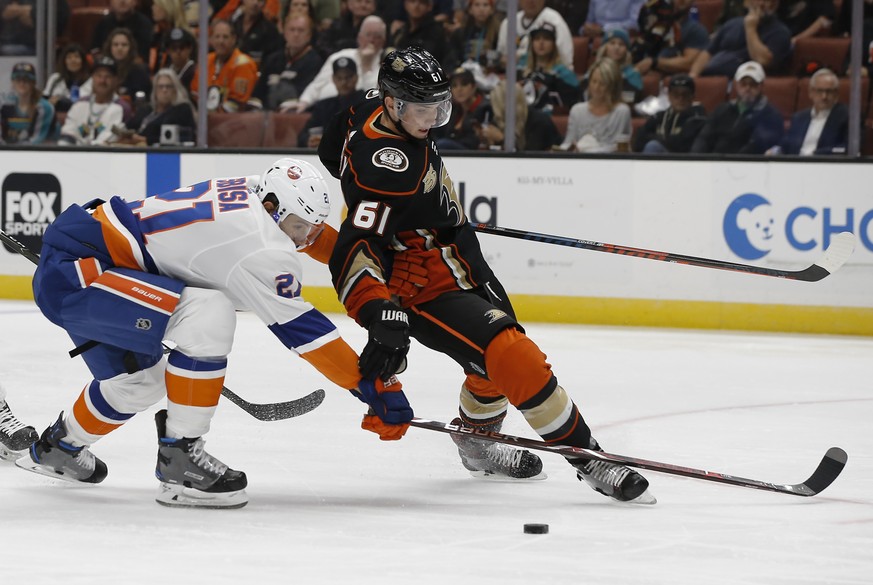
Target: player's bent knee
x=135 y=392
x=516 y=365
x=203 y=323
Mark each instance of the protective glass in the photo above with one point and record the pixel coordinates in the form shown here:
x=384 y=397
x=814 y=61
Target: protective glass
x=423 y=115
x=300 y=231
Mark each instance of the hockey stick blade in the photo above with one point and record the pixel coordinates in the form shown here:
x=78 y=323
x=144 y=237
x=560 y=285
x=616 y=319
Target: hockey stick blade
x=841 y=248
x=274 y=411
x=828 y=470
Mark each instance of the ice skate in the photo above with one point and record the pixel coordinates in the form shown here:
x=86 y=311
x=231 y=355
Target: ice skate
x=615 y=481
x=490 y=460
x=52 y=457
x=192 y=478
x=15 y=437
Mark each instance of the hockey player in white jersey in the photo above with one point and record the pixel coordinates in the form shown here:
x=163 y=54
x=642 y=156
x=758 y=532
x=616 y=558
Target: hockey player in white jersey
x=122 y=277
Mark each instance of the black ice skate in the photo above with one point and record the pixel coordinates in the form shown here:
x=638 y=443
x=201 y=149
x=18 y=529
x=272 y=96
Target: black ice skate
x=15 y=437
x=490 y=460
x=51 y=456
x=192 y=478
x=613 y=480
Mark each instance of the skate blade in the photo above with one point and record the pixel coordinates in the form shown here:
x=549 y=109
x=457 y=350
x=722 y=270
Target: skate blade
x=499 y=477
x=644 y=499
x=177 y=496
x=10 y=455
x=28 y=464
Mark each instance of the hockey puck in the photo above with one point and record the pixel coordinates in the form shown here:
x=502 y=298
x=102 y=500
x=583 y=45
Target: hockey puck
x=536 y=528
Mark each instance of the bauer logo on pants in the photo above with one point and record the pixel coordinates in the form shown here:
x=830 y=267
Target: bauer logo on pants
x=30 y=202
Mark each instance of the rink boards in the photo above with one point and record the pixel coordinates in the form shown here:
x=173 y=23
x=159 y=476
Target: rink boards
x=776 y=214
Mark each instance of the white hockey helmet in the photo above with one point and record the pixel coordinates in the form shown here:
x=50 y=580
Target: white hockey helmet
x=295 y=187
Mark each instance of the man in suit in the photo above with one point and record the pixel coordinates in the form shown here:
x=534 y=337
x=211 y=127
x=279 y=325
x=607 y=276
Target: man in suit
x=823 y=128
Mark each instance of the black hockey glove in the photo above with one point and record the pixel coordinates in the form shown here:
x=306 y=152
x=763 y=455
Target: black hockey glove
x=385 y=352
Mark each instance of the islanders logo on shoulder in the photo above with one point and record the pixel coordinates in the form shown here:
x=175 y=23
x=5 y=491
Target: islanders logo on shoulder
x=391 y=159
x=748 y=226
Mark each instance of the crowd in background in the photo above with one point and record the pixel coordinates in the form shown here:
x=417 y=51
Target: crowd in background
x=132 y=79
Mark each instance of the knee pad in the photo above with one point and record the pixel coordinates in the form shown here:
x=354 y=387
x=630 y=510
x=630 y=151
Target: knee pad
x=203 y=323
x=517 y=366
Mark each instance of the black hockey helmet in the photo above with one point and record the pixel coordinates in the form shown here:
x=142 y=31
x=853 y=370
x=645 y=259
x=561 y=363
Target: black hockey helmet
x=415 y=76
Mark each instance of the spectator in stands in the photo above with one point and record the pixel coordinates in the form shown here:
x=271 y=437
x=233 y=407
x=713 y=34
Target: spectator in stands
x=574 y=12
x=748 y=124
x=231 y=74
x=475 y=39
x=345 y=79
x=534 y=129
x=133 y=77
x=844 y=28
x=616 y=46
x=547 y=81
x=179 y=52
x=460 y=132
x=123 y=14
x=603 y=122
x=674 y=129
x=343 y=33
x=731 y=9
x=62 y=108
x=286 y=73
x=671 y=40
x=823 y=128
x=90 y=121
x=169 y=105
x=27 y=118
x=367 y=58
x=257 y=36
x=460 y=8
x=421 y=29
x=807 y=18
x=605 y=15
x=231 y=8
x=322 y=12
x=531 y=15
x=758 y=36
x=167 y=15
x=73 y=75
x=17 y=30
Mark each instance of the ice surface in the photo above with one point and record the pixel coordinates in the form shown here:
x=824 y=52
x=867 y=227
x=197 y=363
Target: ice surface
x=331 y=504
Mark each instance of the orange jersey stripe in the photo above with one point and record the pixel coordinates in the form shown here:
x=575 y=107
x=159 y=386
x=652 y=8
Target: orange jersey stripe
x=116 y=242
x=88 y=270
x=138 y=291
x=337 y=362
x=193 y=392
x=86 y=419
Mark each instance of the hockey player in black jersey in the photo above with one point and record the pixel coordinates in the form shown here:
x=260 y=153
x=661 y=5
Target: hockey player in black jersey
x=406 y=262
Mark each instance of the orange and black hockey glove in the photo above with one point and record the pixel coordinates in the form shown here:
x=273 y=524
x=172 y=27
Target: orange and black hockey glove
x=389 y=413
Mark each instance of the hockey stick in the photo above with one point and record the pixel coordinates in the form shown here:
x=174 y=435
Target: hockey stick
x=273 y=411
x=267 y=412
x=836 y=255
x=827 y=471
x=19 y=247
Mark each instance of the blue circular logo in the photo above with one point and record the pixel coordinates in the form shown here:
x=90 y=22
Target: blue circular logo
x=749 y=226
